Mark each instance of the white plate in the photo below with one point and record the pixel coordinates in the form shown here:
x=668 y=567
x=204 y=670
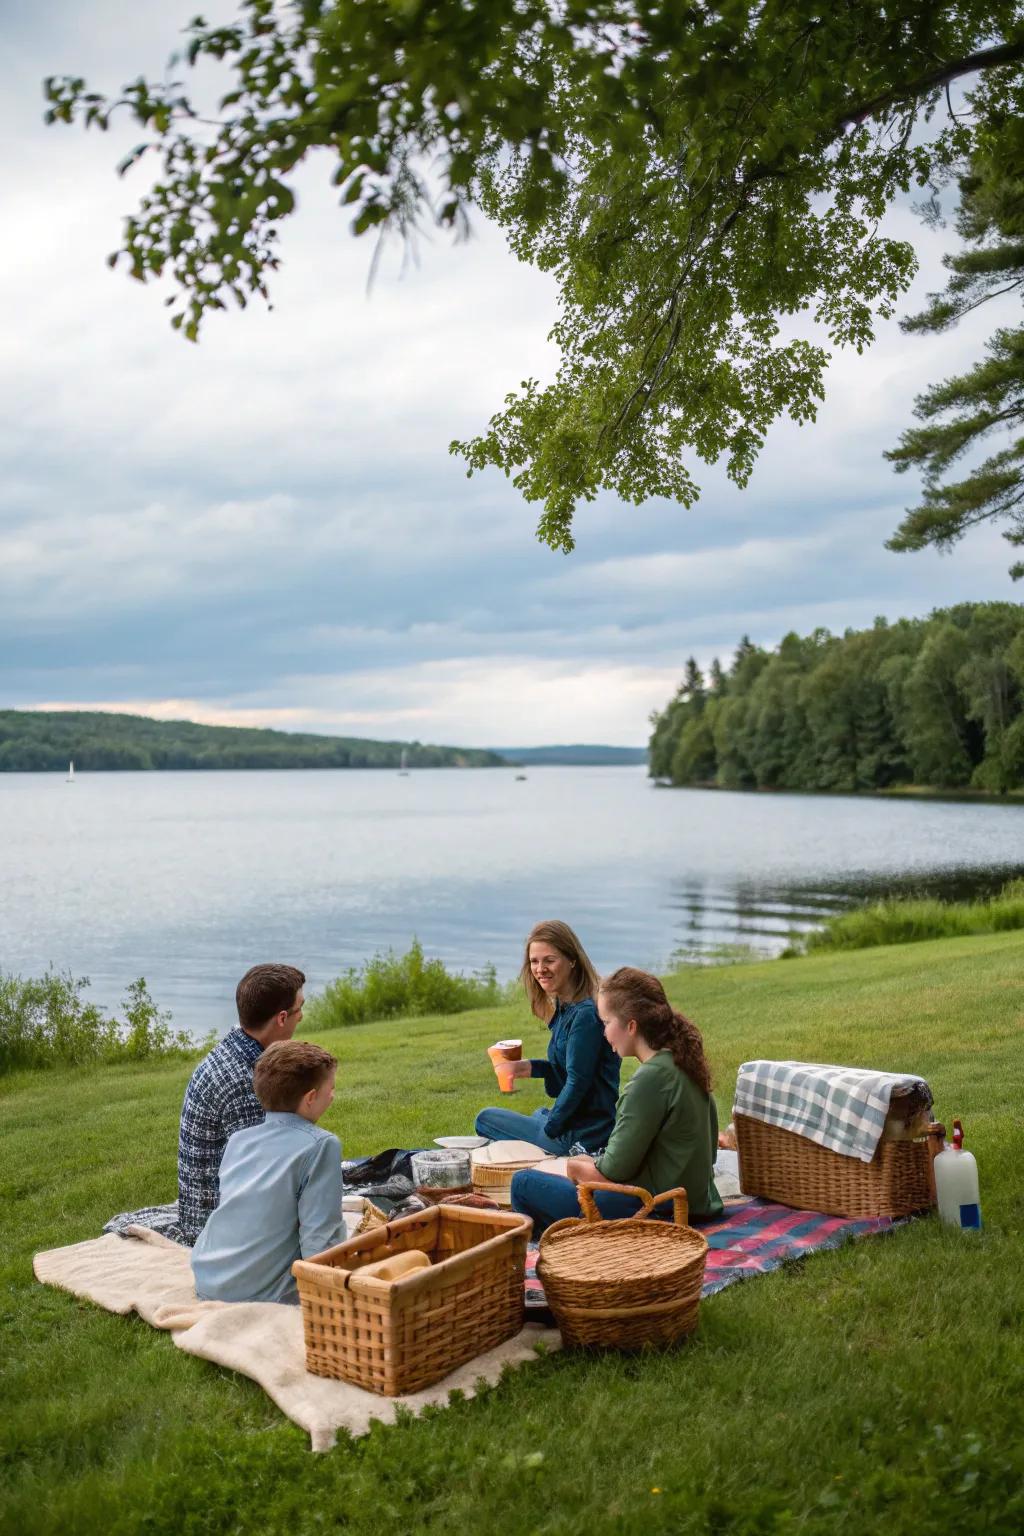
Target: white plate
x=460 y=1143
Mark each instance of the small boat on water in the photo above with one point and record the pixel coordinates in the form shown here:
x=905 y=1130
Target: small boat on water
x=520 y=778
x=71 y=772
x=403 y=772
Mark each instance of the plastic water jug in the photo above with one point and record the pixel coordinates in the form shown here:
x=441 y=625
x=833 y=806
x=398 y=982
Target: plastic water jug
x=956 y=1184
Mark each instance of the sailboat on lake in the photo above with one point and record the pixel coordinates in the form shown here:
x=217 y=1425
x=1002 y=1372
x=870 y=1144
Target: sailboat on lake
x=403 y=772
x=71 y=772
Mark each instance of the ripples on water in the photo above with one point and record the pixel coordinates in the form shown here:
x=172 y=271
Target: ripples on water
x=726 y=923
x=189 y=878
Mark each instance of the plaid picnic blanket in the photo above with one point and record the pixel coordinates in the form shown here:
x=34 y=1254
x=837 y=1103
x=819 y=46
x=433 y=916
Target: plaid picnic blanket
x=842 y=1108
x=751 y=1238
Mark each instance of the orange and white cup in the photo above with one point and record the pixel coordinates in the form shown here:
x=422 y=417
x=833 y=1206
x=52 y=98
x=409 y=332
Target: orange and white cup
x=501 y=1053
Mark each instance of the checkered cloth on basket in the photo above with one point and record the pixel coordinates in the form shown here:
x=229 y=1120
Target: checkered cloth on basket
x=842 y=1108
x=753 y=1237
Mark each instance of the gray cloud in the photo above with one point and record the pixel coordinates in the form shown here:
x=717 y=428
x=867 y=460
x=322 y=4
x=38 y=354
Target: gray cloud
x=269 y=526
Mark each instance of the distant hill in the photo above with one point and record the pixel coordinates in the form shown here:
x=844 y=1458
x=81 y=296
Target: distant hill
x=576 y=756
x=36 y=741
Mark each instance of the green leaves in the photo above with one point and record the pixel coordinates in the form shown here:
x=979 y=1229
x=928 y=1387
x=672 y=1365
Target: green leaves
x=959 y=414
x=694 y=178
x=937 y=702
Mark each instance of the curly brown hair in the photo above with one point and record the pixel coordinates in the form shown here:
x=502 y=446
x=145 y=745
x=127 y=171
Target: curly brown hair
x=633 y=994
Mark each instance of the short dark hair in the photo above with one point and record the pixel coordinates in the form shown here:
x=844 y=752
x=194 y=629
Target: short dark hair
x=265 y=990
x=288 y=1070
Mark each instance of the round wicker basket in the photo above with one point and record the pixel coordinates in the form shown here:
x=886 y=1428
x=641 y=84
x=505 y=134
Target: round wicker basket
x=623 y=1284
x=494 y=1178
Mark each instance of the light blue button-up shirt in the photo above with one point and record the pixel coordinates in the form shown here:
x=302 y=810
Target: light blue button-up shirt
x=280 y=1200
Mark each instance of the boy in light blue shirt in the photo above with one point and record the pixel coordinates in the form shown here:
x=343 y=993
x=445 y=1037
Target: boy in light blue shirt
x=280 y=1184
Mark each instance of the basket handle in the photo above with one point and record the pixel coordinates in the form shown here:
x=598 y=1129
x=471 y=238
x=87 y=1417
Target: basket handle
x=680 y=1205
x=588 y=1205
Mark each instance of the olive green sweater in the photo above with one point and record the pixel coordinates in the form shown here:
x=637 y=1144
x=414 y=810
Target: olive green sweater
x=665 y=1134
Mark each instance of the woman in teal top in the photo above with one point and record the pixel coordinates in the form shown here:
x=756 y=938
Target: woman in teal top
x=580 y=1071
x=666 y=1123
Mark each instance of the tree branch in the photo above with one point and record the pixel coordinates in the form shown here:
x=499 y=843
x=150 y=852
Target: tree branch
x=985 y=58
x=977 y=303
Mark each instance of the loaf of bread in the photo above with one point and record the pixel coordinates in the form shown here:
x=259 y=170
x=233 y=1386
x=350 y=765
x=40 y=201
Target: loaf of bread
x=397 y=1266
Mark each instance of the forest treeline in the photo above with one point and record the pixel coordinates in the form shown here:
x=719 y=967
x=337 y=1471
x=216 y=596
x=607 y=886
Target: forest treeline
x=933 y=702
x=36 y=741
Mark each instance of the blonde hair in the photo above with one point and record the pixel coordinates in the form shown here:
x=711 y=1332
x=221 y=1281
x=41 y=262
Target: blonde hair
x=582 y=978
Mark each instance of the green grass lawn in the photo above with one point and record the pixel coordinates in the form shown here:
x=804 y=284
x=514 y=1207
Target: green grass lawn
x=878 y=1388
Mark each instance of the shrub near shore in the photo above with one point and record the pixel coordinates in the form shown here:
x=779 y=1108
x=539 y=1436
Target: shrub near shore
x=47 y=1022
x=390 y=985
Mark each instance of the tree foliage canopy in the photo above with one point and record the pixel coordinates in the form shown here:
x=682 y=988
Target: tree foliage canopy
x=960 y=413
x=937 y=701
x=697 y=177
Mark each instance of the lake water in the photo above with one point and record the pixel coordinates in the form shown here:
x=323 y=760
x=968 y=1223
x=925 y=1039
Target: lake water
x=189 y=878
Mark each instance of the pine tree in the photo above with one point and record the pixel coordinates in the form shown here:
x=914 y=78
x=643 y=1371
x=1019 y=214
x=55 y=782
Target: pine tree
x=938 y=727
x=695 y=760
x=962 y=412
x=692 y=686
x=992 y=690
x=668 y=726
x=776 y=725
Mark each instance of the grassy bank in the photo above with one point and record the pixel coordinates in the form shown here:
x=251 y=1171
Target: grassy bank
x=870 y=1389
x=908 y=920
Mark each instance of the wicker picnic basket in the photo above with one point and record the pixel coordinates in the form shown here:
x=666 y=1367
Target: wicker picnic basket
x=623 y=1284
x=397 y=1337
x=791 y=1170
x=493 y=1167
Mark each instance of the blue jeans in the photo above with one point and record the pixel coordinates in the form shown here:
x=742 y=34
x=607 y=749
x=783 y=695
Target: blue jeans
x=548 y=1198
x=509 y=1125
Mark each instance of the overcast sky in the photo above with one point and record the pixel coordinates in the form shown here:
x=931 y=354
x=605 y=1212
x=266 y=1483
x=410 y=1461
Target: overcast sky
x=268 y=528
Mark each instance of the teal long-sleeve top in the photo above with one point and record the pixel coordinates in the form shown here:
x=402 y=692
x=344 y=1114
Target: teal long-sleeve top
x=280 y=1200
x=581 y=1074
x=666 y=1134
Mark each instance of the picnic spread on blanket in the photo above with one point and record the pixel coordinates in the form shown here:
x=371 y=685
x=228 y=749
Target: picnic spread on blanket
x=477 y=1298
x=393 y=1279
x=139 y=1270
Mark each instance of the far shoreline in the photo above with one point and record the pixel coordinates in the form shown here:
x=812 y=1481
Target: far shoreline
x=963 y=796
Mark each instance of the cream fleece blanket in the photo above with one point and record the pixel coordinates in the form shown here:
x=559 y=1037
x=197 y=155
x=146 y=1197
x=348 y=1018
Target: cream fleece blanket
x=150 y=1275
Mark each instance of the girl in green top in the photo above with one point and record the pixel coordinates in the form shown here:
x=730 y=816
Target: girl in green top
x=666 y=1123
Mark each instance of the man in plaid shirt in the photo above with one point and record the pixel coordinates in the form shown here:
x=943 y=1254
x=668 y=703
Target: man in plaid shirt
x=219 y=1098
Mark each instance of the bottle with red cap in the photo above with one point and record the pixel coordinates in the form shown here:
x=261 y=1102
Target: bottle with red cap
x=956 y=1184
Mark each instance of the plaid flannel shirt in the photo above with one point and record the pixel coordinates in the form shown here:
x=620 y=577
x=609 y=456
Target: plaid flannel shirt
x=218 y=1101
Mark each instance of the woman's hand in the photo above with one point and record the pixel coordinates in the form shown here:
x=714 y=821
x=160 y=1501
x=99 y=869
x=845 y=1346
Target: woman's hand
x=583 y=1170
x=517 y=1068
